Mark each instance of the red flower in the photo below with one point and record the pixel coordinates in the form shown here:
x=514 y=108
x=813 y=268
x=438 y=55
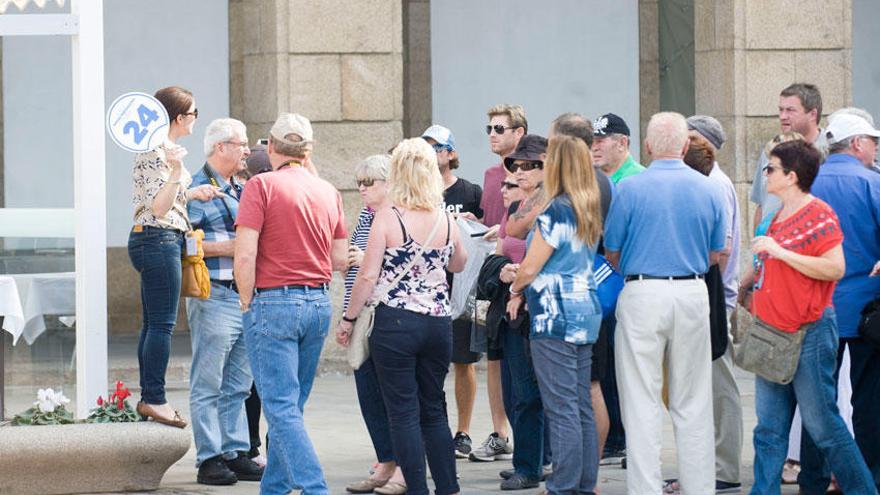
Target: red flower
x=122 y=391
x=100 y=401
x=120 y=404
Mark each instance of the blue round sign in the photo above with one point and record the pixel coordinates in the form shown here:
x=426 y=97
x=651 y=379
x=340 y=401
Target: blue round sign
x=137 y=122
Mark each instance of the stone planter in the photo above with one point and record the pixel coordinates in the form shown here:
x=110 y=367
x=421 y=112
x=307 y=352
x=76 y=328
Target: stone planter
x=88 y=458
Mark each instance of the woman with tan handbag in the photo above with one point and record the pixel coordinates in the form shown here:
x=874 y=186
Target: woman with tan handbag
x=799 y=259
x=156 y=244
x=410 y=247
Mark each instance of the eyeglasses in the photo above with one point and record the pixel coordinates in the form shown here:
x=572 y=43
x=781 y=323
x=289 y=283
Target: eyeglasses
x=509 y=185
x=367 y=182
x=194 y=113
x=871 y=138
x=498 y=128
x=524 y=166
x=242 y=144
x=769 y=169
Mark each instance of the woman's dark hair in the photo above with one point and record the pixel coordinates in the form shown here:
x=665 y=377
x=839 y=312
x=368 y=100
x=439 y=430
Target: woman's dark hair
x=700 y=155
x=176 y=100
x=799 y=157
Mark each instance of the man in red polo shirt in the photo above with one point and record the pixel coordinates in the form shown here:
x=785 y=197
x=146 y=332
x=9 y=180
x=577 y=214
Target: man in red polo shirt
x=290 y=237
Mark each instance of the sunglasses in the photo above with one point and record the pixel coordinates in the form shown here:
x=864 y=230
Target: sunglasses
x=194 y=113
x=509 y=185
x=498 y=128
x=369 y=181
x=524 y=166
x=440 y=147
x=769 y=169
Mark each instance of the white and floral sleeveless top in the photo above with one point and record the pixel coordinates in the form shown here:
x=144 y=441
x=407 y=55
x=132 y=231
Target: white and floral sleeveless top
x=424 y=289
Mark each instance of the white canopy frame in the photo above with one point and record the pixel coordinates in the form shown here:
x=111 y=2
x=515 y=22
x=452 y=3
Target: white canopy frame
x=85 y=25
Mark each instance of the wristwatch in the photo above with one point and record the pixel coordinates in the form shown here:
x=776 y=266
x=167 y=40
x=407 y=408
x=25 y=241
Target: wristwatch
x=350 y=320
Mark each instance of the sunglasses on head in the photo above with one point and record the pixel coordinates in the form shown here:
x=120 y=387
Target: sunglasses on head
x=367 y=182
x=498 y=128
x=524 y=166
x=509 y=185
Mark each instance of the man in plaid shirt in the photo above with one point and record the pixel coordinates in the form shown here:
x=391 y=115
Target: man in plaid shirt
x=220 y=379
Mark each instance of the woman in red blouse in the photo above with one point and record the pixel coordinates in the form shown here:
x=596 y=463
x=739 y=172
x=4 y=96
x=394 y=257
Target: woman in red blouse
x=798 y=262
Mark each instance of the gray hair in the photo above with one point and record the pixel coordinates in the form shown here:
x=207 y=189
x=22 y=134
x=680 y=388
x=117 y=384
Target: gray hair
x=858 y=112
x=841 y=146
x=575 y=125
x=374 y=167
x=220 y=130
x=667 y=133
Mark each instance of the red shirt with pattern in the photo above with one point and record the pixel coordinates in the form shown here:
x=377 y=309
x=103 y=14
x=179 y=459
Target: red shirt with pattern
x=786 y=298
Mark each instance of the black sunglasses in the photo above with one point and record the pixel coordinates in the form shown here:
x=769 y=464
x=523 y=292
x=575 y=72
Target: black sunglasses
x=369 y=181
x=509 y=185
x=769 y=169
x=194 y=113
x=524 y=166
x=498 y=128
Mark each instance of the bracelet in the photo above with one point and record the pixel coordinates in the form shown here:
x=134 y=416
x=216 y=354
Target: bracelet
x=350 y=320
x=513 y=292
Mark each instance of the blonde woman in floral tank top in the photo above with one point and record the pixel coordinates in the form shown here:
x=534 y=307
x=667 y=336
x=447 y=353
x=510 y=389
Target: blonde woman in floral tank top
x=155 y=245
x=411 y=343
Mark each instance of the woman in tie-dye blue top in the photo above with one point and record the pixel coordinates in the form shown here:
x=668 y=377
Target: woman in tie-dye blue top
x=557 y=278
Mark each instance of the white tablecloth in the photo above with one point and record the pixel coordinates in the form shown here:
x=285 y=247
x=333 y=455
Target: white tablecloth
x=24 y=299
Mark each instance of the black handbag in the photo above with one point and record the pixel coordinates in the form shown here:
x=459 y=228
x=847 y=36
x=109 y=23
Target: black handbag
x=869 y=325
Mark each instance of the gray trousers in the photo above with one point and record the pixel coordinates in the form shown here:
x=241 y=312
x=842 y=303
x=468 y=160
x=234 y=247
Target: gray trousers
x=727 y=409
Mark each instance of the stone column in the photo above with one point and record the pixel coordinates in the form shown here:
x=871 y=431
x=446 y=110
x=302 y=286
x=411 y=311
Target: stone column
x=747 y=51
x=337 y=62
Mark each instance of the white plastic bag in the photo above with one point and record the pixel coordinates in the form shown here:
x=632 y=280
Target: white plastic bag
x=464 y=283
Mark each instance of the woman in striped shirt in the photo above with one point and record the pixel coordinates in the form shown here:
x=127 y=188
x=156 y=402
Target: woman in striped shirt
x=371 y=175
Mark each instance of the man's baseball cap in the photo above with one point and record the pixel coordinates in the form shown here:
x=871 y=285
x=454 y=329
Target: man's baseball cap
x=530 y=147
x=708 y=127
x=291 y=123
x=610 y=124
x=845 y=126
x=258 y=160
x=441 y=135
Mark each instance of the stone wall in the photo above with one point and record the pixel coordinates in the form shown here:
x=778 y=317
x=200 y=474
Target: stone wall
x=340 y=64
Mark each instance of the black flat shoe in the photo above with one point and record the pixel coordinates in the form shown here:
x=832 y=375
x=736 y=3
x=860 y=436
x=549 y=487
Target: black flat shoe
x=244 y=468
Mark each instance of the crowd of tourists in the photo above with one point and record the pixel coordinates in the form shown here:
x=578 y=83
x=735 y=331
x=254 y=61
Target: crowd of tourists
x=608 y=293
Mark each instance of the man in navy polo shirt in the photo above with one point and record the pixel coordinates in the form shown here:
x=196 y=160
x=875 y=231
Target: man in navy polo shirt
x=665 y=228
x=847 y=183
x=220 y=379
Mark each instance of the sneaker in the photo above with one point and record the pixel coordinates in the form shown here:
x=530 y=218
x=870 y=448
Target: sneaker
x=519 y=482
x=214 y=471
x=494 y=448
x=463 y=445
x=545 y=471
x=613 y=457
x=725 y=487
x=245 y=469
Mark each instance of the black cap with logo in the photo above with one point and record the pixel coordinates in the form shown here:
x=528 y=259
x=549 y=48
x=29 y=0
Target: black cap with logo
x=610 y=124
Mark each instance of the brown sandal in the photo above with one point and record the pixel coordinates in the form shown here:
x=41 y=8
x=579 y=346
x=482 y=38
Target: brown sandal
x=176 y=421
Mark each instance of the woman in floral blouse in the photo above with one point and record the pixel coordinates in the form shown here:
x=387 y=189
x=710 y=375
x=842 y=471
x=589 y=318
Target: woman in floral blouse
x=155 y=246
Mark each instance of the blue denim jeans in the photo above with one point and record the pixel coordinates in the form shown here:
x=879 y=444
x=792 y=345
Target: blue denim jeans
x=865 y=378
x=156 y=254
x=373 y=410
x=284 y=332
x=412 y=353
x=220 y=377
x=527 y=420
x=563 y=372
x=813 y=389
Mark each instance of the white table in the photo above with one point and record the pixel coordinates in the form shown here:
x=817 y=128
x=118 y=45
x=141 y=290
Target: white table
x=24 y=299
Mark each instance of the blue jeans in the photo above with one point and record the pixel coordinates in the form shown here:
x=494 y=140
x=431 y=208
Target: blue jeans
x=616 y=440
x=220 y=377
x=813 y=389
x=373 y=410
x=865 y=377
x=527 y=419
x=284 y=332
x=412 y=353
x=563 y=372
x=156 y=254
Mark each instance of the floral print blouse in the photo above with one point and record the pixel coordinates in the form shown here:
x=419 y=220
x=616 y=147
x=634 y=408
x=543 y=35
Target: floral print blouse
x=424 y=289
x=151 y=172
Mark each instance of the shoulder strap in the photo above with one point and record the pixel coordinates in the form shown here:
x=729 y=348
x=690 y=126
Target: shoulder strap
x=412 y=262
x=400 y=221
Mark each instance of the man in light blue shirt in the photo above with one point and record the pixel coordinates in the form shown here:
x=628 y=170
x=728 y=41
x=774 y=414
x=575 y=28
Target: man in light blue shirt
x=665 y=227
x=847 y=183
